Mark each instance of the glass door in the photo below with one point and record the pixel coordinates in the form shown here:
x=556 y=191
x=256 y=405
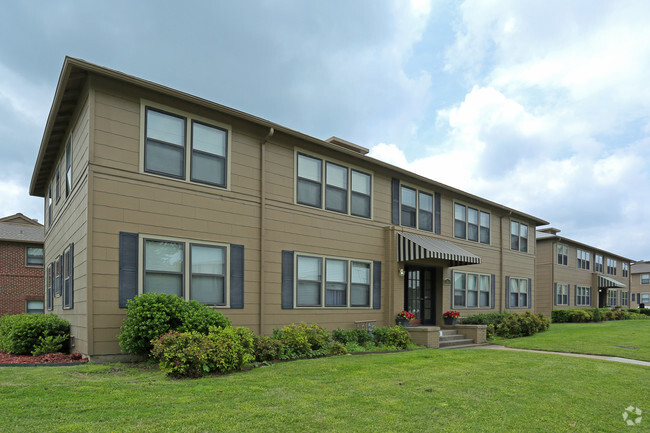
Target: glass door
x=418 y=294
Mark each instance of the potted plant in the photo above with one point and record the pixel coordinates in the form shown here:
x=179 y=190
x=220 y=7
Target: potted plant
x=450 y=317
x=403 y=318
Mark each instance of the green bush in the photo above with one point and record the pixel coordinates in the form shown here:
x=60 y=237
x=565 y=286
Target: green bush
x=233 y=348
x=607 y=314
x=21 y=334
x=266 y=348
x=303 y=341
x=153 y=314
x=597 y=316
x=489 y=319
x=49 y=344
x=183 y=354
x=580 y=316
x=522 y=325
x=359 y=336
x=338 y=348
x=393 y=336
x=560 y=316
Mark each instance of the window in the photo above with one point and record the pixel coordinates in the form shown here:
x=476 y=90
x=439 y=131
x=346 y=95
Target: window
x=409 y=206
x=57 y=276
x=49 y=205
x=518 y=236
x=562 y=294
x=645 y=298
x=57 y=186
x=35 y=306
x=518 y=292
x=346 y=190
x=67 y=278
x=611 y=298
x=48 y=287
x=598 y=263
x=471 y=224
x=168 y=146
x=626 y=269
x=209 y=151
x=611 y=266
x=645 y=278
x=625 y=300
x=583 y=295
x=583 y=259
x=68 y=167
x=188 y=270
x=562 y=255
x=34 y=256
x=471 y=290
x=339 y=282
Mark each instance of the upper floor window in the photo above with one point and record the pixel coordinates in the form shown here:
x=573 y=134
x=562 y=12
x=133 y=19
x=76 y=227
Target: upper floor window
x=49 y=205
x=34 y=256
x=471 y=224
x=518 y=236
x=346 y=190
x=332 y=282
x=167 y=146
x=598 y=263
x=584 y=259
x=645 y=278
x=68 y=167
x=611 y=266
x=562 y=254
x=626 y=269
x=57 y=184
x=562 y=294
x=518 y=292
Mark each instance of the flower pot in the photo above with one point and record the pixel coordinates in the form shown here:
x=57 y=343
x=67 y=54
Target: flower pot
x=450 y=321
x=415 y=322
x=402 y=322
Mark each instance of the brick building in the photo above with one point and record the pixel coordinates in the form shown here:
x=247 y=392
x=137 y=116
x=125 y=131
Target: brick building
x=21 y=265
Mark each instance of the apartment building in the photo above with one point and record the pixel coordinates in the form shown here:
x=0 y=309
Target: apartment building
x=640 y=284
x=21 y=265
x=571 y=274
x=147 y=188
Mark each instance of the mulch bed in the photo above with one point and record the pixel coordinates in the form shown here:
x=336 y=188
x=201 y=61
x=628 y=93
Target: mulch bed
x=50 y=358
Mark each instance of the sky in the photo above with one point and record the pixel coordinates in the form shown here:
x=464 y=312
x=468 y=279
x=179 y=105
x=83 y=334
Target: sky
x=543 y=106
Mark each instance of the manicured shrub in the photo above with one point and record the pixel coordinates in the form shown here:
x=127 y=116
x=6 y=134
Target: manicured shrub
x=359 y=336
x=153 y=314
x=338 y=348
x=184 y=354
x=597 y=316
x=580 y=316
x=21 y=334
x=303 y=341
x=607 y=314
x=489 y=319
x=266 y=348
x=233 y=348
x=522 y=325
x=560 y=316
x=50 y=344
x=393 y=336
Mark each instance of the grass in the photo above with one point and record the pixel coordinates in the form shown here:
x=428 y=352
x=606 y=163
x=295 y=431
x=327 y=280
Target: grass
x=430 y=390
x=604 y=338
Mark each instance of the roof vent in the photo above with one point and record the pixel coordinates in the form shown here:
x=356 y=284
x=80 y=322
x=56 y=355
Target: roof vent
x=347 y=145
x=550 y=230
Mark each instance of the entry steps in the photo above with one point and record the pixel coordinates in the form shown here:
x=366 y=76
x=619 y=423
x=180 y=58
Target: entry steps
x=450 y=339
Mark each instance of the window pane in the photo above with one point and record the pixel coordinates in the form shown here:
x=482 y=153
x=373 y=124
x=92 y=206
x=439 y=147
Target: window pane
x=472 y=232
x=336 y=175
x=336 y=199
x=309 y=168
x=425 y=220
x=523 y=286
x=209 y=139
x=165 y=127
x=208 y=289
x=309 y=268
x=164 y=158
x=523 y=245
x=208 y=168
x=208 y=260
x=308 y=294
x=426 y=202
x=459 y=290
x=163 y=283
x=35 y=307
x=336 y=271
x=485 y=235
x=360 y=295
x=485 y=219
x=360 y=182
x=459 y=212
x=360 y=205
x=163 y=256
x=523 y=230
x=472 y=216
x=309 y=193
x=459 y=221
x=472 y=290
x=514 y=228
x=35 y=256
x=408 y=216
x=309 y=281
x=485 y=299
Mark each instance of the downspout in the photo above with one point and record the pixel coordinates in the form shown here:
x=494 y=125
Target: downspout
x=501 y=276
x=263 y=223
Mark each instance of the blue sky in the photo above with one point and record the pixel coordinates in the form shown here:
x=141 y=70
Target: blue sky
x=543 y=106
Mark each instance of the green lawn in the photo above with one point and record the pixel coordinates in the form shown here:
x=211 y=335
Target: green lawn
x=463 y=390
x=624 y=338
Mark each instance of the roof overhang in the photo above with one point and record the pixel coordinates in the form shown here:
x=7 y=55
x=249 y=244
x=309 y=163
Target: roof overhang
x=609 y=283
x=411 y=246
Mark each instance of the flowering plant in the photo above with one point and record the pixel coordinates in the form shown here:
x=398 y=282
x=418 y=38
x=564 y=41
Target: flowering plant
x=405 y=315
x=451 y=314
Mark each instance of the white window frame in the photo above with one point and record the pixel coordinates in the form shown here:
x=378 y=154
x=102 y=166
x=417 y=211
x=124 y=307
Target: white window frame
x=479 y=290
x=323 y=184
x=40 y=311
x=189 y=119
x=187 y=265
x=521 y=297
x=583 y=295
x=584 y=259
x=611 y=266
x=418 y=208
x=562 y=295
x=562 y=257
x=478 y=224
x=31 y=265
x=625 y=272
x=519 y=236
x=645 y=278
x=323 y=282
x=599 y=263
x=612 y=297
x=625 y=299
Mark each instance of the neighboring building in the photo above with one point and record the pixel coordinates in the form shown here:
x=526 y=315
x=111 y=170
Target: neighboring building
x=21 y=265
x=150 y=189
x=640 y=284
x=570 y=274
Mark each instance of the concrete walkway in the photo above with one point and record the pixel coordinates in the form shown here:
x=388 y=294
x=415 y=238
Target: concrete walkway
x=575 y=355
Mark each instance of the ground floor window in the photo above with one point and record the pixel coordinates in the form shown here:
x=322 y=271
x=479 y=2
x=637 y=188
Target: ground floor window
x=332 y=282
x=471 y=290
x=35 y=306
x=611 y=298
x=518 y=292
x=625 y=300
x=562 y=294
x=583 y=295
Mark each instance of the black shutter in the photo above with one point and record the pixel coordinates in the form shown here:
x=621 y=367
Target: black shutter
x=68 y=290
x=49 y=294
x=395 y=200
x=438 y=221
x=287 y=279
x=57 y=276
x=568 y=295
x=554 y=293
x=632 y=297
x=128 y=283
x=507 y=292
x=376 y=285
x=575 y=295
x=451 y=301
x=530 y=292
x=236 y=276
x=492 y=290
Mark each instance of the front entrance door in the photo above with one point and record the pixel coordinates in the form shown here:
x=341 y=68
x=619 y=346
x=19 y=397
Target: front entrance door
x=419 y=293
x=602 y=298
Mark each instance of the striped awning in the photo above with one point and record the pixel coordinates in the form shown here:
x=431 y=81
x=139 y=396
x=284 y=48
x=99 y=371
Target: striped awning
x=413 y=247
x=607 y=283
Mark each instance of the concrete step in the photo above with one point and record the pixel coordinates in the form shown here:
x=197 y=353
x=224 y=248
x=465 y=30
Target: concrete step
x=456 y=343
x=448 y=332
x=464 y=346
x=451 y=337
